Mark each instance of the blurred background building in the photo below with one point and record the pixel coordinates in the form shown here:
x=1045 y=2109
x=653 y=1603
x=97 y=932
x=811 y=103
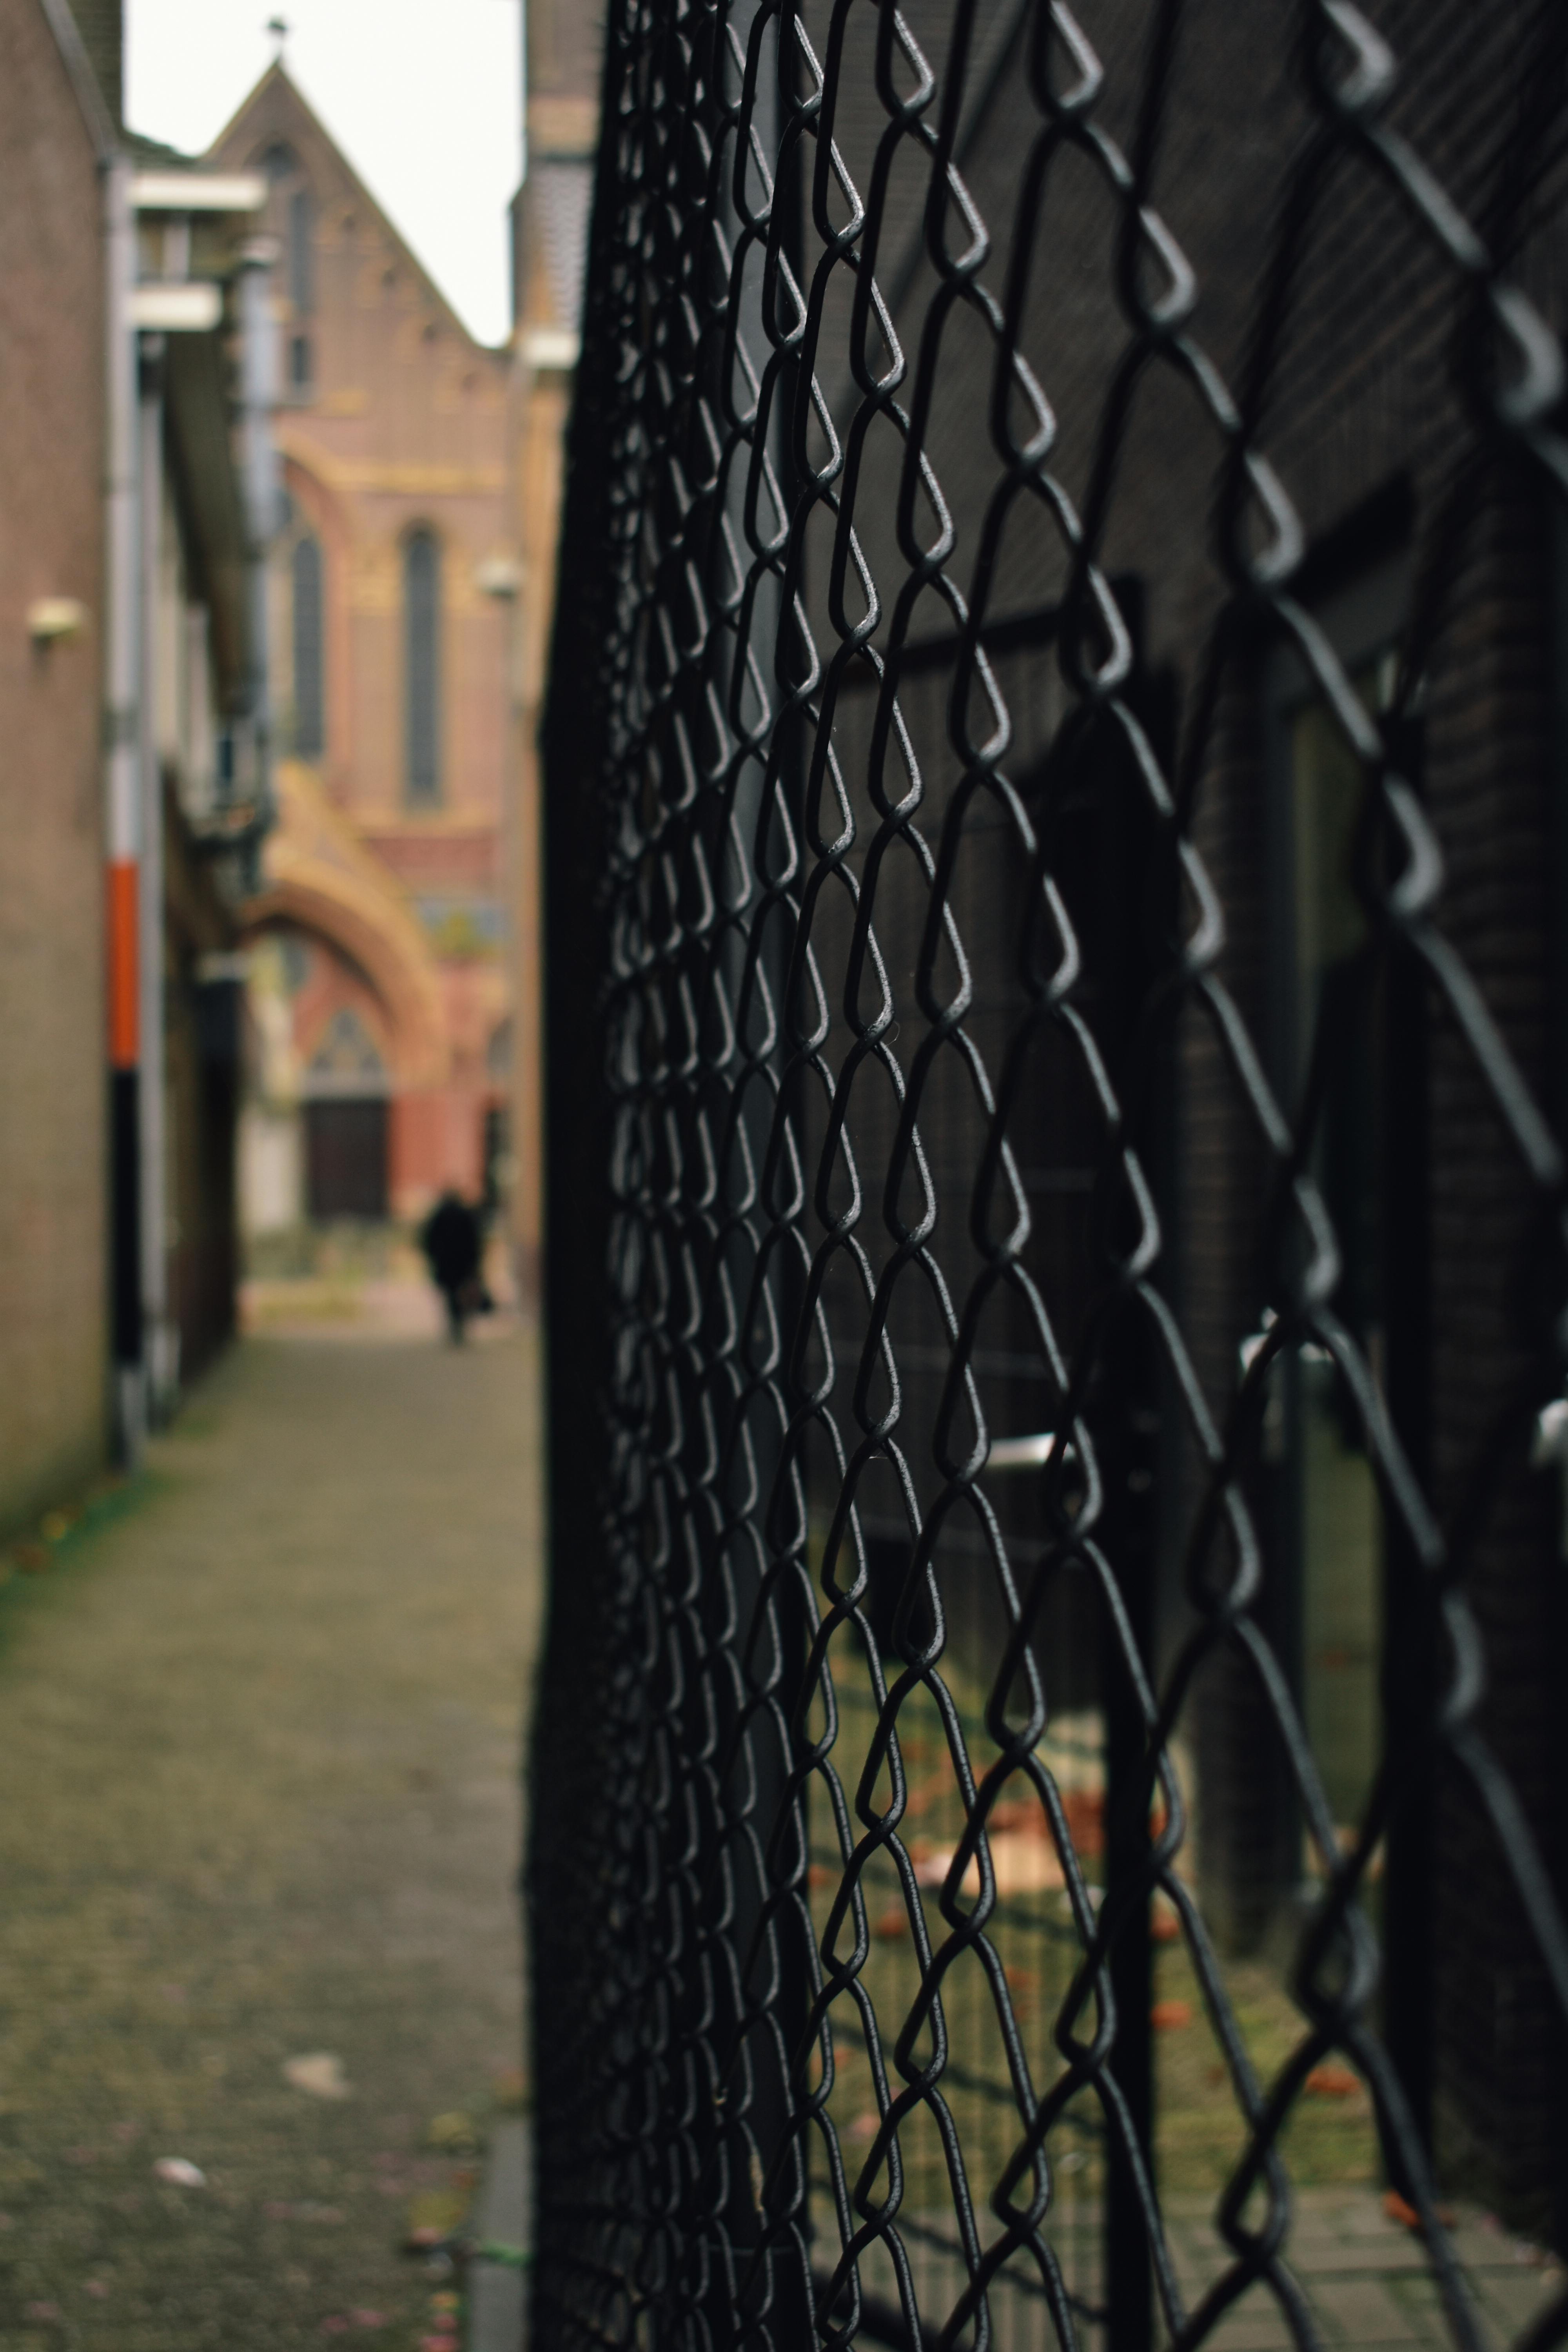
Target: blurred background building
x=380 y=985
x=274 y=669
x=133 y=699
x=550 y=239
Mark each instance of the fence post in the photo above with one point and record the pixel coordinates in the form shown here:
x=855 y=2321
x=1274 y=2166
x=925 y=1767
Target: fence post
x=1136 y=898
x=1408 y=1659
x=1128 y=1463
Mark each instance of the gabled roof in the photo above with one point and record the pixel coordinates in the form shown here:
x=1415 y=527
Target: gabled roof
x=277 y=77
x=89 y=97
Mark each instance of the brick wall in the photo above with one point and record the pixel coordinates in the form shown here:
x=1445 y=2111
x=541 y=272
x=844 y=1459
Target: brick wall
x=1363 y=418
x=52 y=1131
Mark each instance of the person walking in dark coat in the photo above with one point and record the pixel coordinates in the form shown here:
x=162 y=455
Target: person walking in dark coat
x=451 y=1241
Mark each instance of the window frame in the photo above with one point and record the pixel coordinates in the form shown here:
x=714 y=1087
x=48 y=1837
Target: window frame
x=422 y=778
x=307 y=743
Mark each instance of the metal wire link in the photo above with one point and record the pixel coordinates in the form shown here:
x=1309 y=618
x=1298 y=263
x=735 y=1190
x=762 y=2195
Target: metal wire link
x=950 y=1271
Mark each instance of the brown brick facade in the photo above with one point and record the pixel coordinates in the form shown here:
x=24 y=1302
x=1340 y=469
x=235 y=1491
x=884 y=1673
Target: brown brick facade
x=392 y=427
x=1378 y=451
x=53 y=1277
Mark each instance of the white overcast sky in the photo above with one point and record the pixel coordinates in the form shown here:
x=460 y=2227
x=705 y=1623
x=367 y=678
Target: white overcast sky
x=424 y=96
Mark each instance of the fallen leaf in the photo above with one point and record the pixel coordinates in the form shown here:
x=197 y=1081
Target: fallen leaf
x=1022 y=1864
x=1022 y=1814
x=509 y=2088
x=1332 y=2083
x=97 y=2288
x=43 y=2311
x=1085 y=1810
x=370 y=2318
x=32 y=1558
x=931 y=1869
x=1168 y=2016
x=180 y=2172
x=432 y=2215
x=1399 y=2209
x=864 y=2128
x=318 y=2073
x=1164 y=1922
x=453 y=2130
x=892 y=1924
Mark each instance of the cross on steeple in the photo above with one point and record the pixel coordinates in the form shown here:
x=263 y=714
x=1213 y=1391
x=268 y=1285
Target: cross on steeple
x=279 y=28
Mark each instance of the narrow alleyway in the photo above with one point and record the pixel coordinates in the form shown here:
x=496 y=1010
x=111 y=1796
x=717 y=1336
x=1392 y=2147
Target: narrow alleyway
x=262 y=1737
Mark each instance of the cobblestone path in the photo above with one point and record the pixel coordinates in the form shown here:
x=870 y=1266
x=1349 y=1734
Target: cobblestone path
x=261 y=1733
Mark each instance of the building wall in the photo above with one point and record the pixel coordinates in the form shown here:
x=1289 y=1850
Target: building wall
x=1367 y=429
x=393 y=421
x=565 y=49
x=53 y=1277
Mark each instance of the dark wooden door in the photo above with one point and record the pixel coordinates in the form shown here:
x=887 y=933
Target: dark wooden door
x=345 y=1156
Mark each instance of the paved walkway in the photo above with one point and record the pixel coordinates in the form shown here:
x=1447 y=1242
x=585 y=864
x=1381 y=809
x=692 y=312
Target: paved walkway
x=260 y=1740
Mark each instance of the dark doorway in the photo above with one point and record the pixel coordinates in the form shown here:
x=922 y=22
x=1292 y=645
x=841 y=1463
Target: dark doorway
x=345 y=1156
x=496 y=1145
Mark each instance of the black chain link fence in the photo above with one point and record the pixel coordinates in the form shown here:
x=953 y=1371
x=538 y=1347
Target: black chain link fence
x=1051 y=1794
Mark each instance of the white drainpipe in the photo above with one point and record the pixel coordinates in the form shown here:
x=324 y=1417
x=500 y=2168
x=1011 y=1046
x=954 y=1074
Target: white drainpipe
x=259 y=396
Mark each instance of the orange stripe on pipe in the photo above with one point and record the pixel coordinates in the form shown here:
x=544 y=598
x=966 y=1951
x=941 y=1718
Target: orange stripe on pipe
x=124 y=993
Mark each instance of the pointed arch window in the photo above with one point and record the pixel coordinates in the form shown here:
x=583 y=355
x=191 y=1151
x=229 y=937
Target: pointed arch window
x=302 y=253
x=309 y=700
x=422 y=667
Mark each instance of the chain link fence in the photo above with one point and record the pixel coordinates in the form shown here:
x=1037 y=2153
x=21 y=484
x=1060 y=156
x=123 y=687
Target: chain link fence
x=1050 y=1797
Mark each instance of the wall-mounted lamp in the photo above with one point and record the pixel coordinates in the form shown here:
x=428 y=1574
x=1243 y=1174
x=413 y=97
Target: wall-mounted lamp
x=53 y=617
x=499 y=575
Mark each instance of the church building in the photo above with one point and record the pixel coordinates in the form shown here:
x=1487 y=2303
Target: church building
x=380 y=992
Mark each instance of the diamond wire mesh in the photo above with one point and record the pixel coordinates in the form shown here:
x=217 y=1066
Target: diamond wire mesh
x=919 y=1079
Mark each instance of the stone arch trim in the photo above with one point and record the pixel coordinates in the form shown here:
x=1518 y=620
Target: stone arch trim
x=317 y=874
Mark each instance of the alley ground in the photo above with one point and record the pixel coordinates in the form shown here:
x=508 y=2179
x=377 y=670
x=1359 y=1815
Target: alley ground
x=261 y=1741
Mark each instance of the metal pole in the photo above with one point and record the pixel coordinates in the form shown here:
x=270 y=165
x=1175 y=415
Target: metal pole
x=122 y=816
x=159 y=1341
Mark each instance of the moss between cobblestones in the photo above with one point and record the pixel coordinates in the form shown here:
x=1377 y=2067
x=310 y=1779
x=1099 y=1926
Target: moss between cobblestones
x=261 y=1744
